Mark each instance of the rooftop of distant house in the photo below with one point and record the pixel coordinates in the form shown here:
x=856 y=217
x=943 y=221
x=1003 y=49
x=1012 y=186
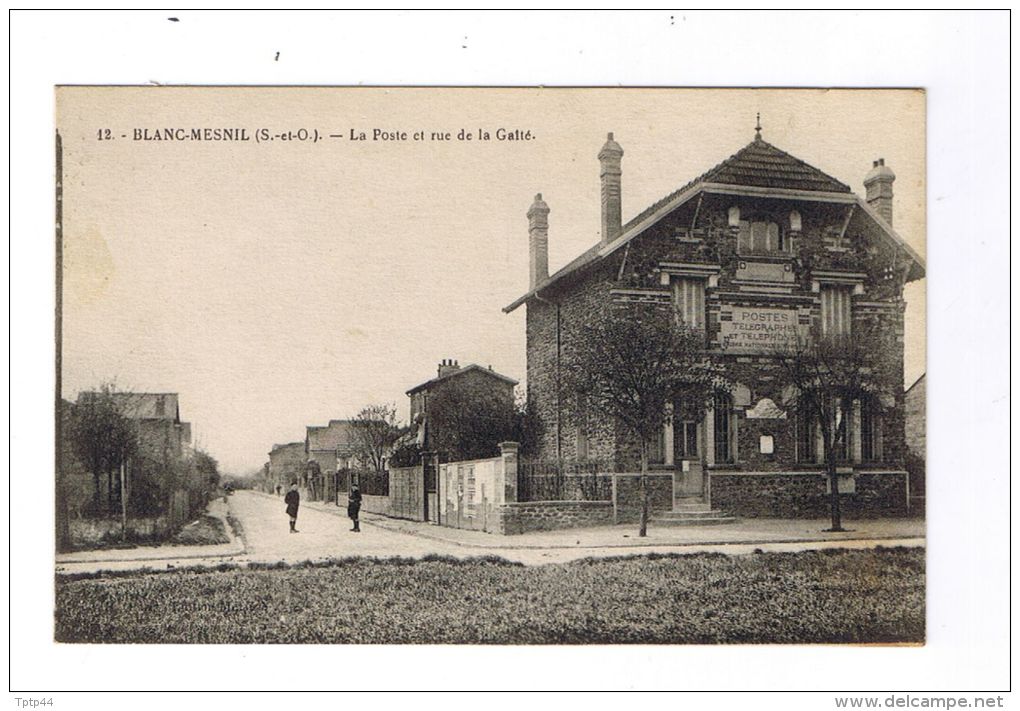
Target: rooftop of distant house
x=449 y=368
x=141 y=406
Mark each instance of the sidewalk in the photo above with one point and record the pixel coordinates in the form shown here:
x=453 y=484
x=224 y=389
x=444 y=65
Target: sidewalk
x=324 y=535
x=909 y=531
x=162 y=553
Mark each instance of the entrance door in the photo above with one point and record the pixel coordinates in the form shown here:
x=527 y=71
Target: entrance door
x=687 y=443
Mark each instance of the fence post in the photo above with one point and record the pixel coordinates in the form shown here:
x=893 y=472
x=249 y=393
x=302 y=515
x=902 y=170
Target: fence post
x=508 y=451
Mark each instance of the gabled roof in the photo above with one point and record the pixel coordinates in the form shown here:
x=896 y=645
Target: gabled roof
x=762 y=164
x=474 y=367
x=758 y=164
x=290 y=449
x=758 y=169
x=338 y=433
x=142 y=406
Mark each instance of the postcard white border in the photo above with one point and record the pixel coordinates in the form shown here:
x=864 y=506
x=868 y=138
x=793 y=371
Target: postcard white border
x=962 y=60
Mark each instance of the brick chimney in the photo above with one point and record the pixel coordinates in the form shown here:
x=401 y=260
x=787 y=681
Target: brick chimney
x=448 y=365
x=612 y=211
x=878 y=184
x=538 y=241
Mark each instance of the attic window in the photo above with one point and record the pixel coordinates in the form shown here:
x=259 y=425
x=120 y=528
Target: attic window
x=761 y=237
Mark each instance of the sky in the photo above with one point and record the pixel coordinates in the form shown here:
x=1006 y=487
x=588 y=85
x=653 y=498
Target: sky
x=279 y=284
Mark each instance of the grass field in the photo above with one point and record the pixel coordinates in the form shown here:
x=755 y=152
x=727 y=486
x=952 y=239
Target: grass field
x=820 y=596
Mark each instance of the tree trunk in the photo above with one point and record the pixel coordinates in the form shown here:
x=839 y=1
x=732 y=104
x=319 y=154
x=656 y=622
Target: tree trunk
x=643 y=528
x=123 y=502
x=834 y=493
x=97 y=491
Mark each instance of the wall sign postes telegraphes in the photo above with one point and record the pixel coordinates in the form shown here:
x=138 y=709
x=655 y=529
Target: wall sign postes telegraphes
x=753 y=329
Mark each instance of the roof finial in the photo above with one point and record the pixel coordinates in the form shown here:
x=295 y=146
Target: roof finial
x=757 y=128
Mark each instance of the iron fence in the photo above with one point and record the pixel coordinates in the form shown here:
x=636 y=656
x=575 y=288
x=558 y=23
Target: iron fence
x=369 y=481
x=564 y=480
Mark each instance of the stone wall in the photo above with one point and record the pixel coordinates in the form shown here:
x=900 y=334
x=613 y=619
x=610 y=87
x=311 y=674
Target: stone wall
x=805 y=494
x=627 y=495
x=517 y=518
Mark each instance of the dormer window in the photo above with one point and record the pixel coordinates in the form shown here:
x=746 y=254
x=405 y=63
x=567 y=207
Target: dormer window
x=761 y=237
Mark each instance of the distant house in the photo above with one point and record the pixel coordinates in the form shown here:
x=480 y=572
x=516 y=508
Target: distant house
x=333 y=446
x=162 y=436
x=328 y=450
x=286 y=464
x=914 y=404
x=468 y=386
x=160 y=477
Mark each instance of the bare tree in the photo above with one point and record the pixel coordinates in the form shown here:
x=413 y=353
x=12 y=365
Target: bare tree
x=636 y=359
x=102 y=438
x=376 y=430
x=831 y=372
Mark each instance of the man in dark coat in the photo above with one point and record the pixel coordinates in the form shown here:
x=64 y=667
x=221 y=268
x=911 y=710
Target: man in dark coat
x=293 y=500
x=354 y=507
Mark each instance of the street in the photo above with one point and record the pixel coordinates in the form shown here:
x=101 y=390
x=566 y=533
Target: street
x=320 y=534
x=324 y=532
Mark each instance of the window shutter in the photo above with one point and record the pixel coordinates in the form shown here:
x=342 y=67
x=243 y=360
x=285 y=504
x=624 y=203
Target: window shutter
x=689 y=298
x=836 y=310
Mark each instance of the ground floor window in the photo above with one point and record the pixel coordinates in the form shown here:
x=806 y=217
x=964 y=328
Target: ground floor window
x=657 y=448
x=844 y=413
x=686 y=440
x=806 y=440
x=723 y=428
x=871 y=431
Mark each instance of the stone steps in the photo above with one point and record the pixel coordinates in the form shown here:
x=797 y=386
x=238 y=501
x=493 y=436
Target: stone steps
x=692 y=514
x=694 y=507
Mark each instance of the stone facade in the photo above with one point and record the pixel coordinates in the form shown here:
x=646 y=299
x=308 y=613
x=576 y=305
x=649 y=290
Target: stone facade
x=806 y=494
x=783 y=242
x=916 y=403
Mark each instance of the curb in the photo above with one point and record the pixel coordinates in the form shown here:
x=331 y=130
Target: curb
x=237 y=544
x=659 y=544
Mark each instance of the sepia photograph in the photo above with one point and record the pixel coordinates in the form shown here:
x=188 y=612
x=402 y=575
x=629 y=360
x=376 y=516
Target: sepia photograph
x=498 y=366
x=364 y=353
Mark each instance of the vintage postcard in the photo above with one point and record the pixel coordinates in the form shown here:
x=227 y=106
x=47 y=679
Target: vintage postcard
x=497 y=366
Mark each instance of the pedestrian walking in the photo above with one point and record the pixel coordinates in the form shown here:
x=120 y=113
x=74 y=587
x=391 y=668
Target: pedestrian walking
x=293 y=500
x=354 y=507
